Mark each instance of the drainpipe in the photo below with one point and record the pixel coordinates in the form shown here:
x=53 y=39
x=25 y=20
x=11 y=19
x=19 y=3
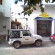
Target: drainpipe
x=26 y=23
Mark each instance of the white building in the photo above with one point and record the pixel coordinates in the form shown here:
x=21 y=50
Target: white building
x=5 y=16
x=38 y=23
x=41 y=23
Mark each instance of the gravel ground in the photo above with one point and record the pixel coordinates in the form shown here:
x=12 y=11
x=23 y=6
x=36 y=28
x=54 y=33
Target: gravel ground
x=48 y=48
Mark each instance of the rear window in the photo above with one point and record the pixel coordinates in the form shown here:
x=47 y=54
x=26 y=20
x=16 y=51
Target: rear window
x=15 y=34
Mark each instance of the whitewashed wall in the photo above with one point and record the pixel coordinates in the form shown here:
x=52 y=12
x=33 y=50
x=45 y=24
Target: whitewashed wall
x=49 y=9
x=5 y=8
x=7 y=4
x=5 y=19
x=4 y=22
x=1 y=8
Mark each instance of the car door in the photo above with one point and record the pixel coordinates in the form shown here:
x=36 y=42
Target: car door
x=26 y=38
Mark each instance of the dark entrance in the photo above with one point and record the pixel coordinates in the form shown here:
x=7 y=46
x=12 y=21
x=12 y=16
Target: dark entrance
x=44 y=27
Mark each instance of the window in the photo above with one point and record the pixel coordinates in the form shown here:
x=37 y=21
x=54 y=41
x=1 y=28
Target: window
x=15 y=34
x=54 y=34
x=26 y=33
x=0 y=2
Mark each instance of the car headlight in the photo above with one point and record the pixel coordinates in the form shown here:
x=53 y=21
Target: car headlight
x=51 y=37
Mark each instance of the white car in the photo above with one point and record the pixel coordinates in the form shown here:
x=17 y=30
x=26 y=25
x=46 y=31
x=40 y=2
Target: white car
x=19 y=37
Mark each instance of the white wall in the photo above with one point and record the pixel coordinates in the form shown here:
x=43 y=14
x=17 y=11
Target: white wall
x=6 y=7
x=1 y=8
x=31 y=22
x=49 y=9
x=6 y=22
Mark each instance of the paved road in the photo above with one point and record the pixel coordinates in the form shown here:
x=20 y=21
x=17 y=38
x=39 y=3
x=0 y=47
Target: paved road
x=48 y=48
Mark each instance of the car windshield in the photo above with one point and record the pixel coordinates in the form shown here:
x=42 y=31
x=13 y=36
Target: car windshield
x=26 y=33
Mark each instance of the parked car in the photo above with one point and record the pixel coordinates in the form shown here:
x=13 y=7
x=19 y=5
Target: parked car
x=19 y=37
x=52 y=37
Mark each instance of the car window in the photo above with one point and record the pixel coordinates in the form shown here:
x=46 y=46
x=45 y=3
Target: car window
x=54 y=34
x=15 y=34
x=26 y=33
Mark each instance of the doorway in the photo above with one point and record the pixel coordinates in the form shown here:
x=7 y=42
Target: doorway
x=44 y=27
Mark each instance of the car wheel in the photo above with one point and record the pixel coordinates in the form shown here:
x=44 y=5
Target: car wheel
x=16 y=45
x=38 y=43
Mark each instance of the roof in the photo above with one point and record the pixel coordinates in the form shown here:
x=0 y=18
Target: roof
x=43 y=15
x=18 y=29
x=41 y=18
